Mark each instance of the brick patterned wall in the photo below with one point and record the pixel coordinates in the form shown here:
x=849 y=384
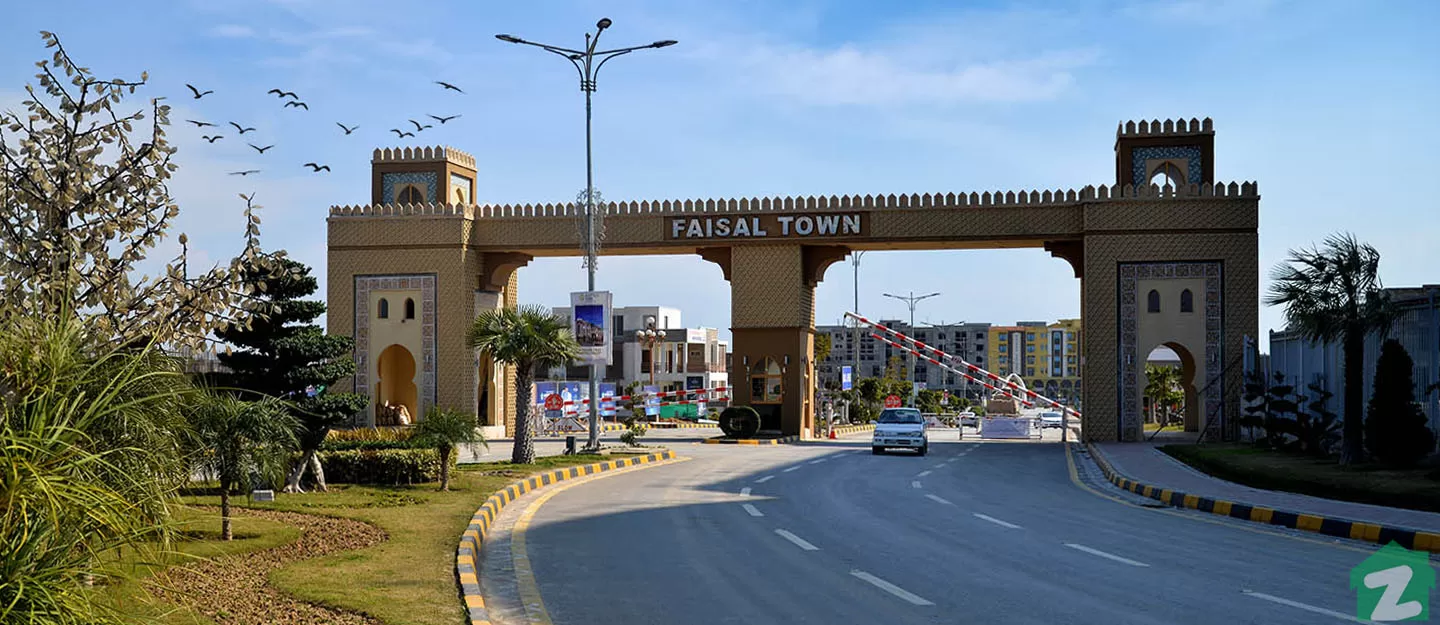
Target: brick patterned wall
x=767 y=288
x=1100 y=299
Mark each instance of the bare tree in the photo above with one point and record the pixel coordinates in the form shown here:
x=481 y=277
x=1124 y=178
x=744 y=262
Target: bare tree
x=84 y=200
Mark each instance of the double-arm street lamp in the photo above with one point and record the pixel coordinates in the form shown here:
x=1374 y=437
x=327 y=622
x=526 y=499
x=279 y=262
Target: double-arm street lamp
x=587 y=63
x=911 y=300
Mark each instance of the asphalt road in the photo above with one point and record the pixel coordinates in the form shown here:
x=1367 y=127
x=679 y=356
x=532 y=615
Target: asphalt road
x=992 y=532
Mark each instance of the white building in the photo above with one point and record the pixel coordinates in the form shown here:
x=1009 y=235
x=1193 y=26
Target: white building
x=687 y=358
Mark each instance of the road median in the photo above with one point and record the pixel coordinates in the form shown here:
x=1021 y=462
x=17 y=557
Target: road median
x=1321 y=524
x=468 y=553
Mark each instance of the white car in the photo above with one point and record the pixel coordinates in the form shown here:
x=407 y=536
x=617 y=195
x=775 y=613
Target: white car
x=1051 y=420
x=900 y=428
x=969 y=418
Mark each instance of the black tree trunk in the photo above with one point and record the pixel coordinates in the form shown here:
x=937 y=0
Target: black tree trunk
x=1352 y=448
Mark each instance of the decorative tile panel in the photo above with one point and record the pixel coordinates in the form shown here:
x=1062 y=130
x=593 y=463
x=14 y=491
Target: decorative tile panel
x=425 y=368
x=1190 y=154
x=1212 y=407
x=389 y=182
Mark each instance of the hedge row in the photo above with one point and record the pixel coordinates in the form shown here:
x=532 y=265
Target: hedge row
x=382 y=466
x=374 y=444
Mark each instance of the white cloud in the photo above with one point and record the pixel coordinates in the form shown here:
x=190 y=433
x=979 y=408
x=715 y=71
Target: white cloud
x=850 y=75
x=232 y=31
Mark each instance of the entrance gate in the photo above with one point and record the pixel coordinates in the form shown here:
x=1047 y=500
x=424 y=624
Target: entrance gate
x=1172 y=264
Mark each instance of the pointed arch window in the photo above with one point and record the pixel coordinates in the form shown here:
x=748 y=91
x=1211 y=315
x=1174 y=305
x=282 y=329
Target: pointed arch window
x=1187 y=301
x=410 y=194
x=384 y=312
x=767 y=382
x=409 y=308
x=1152 y=301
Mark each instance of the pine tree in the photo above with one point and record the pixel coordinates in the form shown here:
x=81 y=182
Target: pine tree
x=285 y=355
x=1396 y=430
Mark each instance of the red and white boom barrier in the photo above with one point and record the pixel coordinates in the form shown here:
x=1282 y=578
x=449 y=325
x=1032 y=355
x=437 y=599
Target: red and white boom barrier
x=987 y=385
x=722 y=391
x=1011 y=387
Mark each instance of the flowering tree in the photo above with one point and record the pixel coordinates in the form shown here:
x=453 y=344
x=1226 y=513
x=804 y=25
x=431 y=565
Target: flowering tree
x=83 y=200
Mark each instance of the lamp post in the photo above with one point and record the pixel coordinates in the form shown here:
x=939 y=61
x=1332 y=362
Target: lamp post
x=587 y=63
x=855 y=334
x=650 y=337
x=911 y=300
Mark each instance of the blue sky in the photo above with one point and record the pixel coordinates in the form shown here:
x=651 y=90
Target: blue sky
x=1329 y=105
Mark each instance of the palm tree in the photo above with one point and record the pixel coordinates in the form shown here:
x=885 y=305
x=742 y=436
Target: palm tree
x=531 y=338
x=239 y=439
x=1162 y=386
x=1334 y=293
x=443 y=429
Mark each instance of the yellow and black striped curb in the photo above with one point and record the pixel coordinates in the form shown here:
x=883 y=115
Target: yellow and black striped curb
x=725 y=440
x=851 y=429
x=681 y=426
x=466 y=557
x=1329 y=526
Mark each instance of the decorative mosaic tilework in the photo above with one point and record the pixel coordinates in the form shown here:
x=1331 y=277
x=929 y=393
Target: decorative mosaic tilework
x=426 y=366
x=389 y=182
x=1190 y=153
x=1130 y=273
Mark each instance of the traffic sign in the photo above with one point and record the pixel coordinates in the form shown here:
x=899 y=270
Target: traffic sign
x=553 y=402
x=892 y=401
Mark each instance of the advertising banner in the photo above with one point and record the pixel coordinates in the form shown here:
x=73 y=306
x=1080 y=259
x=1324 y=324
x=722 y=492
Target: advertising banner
x=591 y=325
x=652 y=403
x=846 y=378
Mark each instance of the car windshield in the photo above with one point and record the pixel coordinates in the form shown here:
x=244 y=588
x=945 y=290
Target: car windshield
x=901 y=415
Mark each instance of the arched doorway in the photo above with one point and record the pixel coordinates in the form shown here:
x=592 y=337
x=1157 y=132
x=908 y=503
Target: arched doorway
x=1169 y=390
x=395 y=381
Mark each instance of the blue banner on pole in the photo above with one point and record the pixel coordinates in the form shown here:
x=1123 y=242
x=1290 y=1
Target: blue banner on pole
x=846 y=378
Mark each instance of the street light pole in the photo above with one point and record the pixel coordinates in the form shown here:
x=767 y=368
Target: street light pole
x=588 y=67
x=855 y=334
x=911 y=300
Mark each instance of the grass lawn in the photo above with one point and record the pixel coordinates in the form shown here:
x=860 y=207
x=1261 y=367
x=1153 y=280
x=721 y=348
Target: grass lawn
x=1320 y=477
x=200 y=538
x=408 y=579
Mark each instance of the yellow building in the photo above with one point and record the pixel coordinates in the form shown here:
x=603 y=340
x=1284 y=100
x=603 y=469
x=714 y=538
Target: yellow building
x=1046 y=356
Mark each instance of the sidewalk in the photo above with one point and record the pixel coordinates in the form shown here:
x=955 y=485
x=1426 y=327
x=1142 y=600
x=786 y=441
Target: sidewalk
x=1142 y=462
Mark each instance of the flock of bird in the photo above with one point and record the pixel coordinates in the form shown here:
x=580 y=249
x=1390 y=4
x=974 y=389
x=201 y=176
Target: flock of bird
x=294 y=101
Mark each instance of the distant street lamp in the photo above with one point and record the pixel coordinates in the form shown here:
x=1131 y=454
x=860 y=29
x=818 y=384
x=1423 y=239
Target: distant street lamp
x=911 y=300
x=650 y=338
x=588 y=62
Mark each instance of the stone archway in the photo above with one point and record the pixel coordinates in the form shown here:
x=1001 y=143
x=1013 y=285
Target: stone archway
x=396 y=380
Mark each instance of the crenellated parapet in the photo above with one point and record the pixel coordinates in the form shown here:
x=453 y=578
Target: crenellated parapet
x=426 y=154
x=466 y=211
x=988 y=199
x=1158 y=128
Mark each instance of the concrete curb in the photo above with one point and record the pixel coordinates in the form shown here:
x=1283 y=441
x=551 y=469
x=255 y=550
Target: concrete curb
x=1330 y=526
x=681 y=426
x=722 y=440
x=466 y=556
x=851 y=429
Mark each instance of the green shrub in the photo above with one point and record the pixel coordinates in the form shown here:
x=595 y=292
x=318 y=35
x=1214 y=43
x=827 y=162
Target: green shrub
x=381 y=466
x=353 y=445
x=399 y=433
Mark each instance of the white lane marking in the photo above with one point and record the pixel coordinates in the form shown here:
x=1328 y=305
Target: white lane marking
x=890 y=588
x=915 y=484
x=996 y=521
x=794 y=468
x=752 y=510
x=922 y=474
x=939 y=499
x=818 y=460
x=799 y=542
x=1110 y=556
x=938 y=466
x=745 y=492
x=764 y=479
x=1296 y=604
